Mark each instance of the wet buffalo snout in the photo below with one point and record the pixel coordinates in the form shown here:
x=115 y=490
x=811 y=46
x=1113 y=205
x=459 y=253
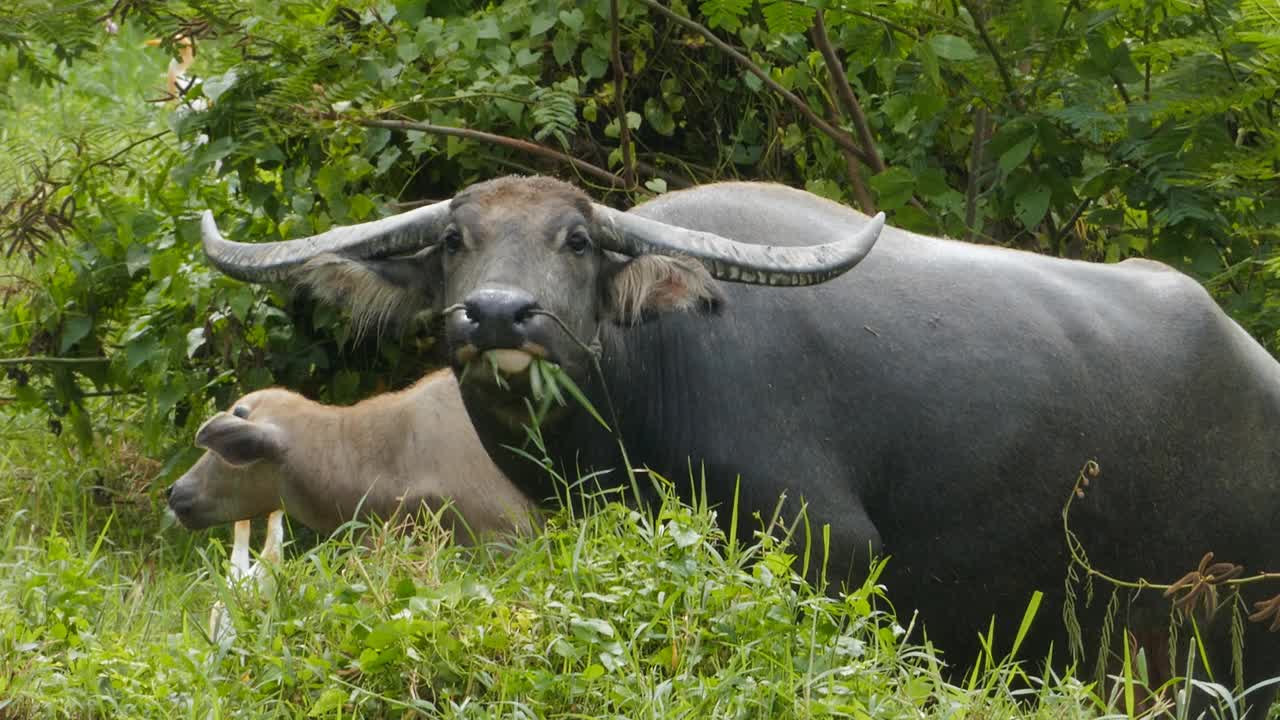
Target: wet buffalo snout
x=497 y=317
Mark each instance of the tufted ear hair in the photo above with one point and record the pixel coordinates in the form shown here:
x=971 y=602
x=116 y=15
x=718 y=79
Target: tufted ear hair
x=637 y=289
x=380 y=293
x=239 y=441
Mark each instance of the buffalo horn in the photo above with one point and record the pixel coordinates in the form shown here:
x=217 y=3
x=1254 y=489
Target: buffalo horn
x=734 y=261
x=271 y=262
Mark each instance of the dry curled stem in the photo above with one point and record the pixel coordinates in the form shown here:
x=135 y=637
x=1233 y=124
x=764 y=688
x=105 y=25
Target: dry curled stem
x=1202 y=584
x=1195 y=589
x=1267 y=610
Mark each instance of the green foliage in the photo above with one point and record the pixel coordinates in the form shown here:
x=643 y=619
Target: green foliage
x=621 y=614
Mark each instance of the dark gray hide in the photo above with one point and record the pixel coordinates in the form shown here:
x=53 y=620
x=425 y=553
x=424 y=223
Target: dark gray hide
x=934 y=405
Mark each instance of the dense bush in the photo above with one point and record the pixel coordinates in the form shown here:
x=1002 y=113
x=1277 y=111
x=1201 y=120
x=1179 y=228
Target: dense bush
x=1100 y=130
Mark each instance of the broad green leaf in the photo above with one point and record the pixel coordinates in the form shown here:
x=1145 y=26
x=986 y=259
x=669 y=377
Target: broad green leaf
x=1016 y=155
x=893 y=187
x=572 y=19
x=563 y=46
x=594 y=63
x=195 y=340
x=952 y=47
x=330 y=700
x=214 y=86
x=541 y=23
x=137 y=258
x=74 y=329
x=1031 y=205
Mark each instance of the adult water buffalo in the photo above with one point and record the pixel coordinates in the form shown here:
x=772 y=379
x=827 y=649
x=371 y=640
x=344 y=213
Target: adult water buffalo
x=934 y=405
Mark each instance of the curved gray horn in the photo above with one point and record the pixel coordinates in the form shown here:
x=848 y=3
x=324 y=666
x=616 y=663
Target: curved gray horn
x=736 y=261
x=270 y=262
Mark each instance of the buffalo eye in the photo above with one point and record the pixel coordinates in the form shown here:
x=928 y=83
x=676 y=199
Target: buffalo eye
x=578 y=242
x=452 y=241
x=241 y=411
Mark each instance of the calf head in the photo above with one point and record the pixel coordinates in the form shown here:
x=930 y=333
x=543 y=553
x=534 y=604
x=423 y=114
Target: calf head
x=527 y=268
x=238 y=476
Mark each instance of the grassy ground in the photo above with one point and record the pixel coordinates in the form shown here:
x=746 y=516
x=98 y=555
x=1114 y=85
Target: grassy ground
x=104 y=612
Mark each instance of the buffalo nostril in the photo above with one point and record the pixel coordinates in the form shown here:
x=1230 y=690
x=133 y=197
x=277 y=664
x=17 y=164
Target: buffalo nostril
x=499 y=306
x=497 y=317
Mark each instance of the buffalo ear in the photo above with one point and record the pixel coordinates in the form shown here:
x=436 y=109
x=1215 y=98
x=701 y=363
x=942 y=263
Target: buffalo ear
x=378 y=292
x=637 y=289
x=239 y=441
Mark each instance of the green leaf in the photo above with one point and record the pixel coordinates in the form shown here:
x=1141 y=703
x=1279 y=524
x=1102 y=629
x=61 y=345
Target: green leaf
x=74 y=329
x=572 y=19
x=592 y=626
x=594 y=63
x=786 y=16
x=214 y=86
x=330 y=700
x=952 y=47
x=563 y=46
x=655 y=112
x=1031 y=205
x=657 y=185
x=139 y=351
x=541 y=23
x=195 y=341
x=1014 y=156
x=893 y=187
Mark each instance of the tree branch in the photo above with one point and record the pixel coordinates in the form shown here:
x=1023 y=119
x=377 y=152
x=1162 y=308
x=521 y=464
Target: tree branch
x=523 y=145
x=49 y=360
x=1001 y=67
x=866 y=202
x=619 y=102
x=1053 y=45
x=844 y=93
x=840 y=138
x=1124 y=94
x=981 y=127
x=91 y=394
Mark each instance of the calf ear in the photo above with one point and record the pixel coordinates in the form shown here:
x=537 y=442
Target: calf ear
x=238 y=441
x=380 y=293
x=640 y=288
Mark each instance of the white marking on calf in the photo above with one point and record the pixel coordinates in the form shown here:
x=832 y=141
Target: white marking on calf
x=243 y=567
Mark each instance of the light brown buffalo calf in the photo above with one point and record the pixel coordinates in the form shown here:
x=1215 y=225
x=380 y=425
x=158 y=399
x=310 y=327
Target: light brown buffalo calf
x=389 y=454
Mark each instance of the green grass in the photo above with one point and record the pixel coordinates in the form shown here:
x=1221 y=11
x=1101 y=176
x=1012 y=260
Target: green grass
x=103 y=613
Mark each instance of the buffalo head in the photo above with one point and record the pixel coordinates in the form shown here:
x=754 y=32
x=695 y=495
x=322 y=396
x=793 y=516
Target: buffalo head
x=527 y=267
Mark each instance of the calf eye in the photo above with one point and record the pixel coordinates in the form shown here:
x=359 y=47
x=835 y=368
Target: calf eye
x=241 y=411
x=452 y=241
x=578 y=243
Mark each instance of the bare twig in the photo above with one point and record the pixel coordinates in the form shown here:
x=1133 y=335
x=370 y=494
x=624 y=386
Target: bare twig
x=1001 y=66
x=522 y=145
x=900 y=29
x=91 y=394
x=1222 y=48
x=844 y=93
x=1124 y=94
x=981 y=129
x=49 y=360
x=118 y=153
x=619 y=101
x=840 y=138
x=1053 y=44
x=861 y=194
